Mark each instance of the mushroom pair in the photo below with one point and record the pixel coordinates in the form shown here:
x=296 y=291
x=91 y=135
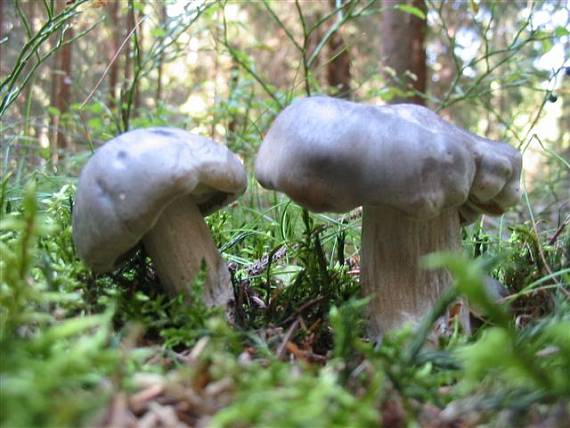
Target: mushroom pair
x=155 y=185
x=417 y=177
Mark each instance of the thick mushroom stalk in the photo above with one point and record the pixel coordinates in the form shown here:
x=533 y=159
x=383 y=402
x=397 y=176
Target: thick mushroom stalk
x=156 y=185
x=177 y=245
x=392 y=247
x=416 y=175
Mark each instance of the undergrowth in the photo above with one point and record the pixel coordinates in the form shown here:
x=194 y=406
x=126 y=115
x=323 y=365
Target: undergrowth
x=82 y=338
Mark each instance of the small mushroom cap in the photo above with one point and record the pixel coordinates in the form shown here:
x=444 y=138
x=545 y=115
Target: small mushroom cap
x=128 y=182
x=334 y=155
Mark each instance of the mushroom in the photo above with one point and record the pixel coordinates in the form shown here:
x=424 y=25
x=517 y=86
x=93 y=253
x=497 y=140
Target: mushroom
x=416 y=176
x=155 y=185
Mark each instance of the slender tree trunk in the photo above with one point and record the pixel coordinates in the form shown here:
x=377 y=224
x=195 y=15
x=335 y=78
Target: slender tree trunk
x=314 y=38
x=130 y=24
x=338 y=66
x=234 y=81
x=29 y=91
x=113 y=13
x=126 y=110
x=162 y=18
x=140 y=33
x=403 y=49
x=54 y=117
x=216 y=72
x=64 y=86
x=61 y=89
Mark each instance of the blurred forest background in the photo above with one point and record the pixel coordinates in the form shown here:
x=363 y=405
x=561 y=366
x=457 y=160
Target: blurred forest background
x=76 y=73
x=85 y=71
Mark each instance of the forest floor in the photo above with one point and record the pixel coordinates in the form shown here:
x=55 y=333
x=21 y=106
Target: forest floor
x=112 y=350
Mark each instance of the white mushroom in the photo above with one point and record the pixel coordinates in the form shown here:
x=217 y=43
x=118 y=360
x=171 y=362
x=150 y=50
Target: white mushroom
x=416 y=176
x=156 y=185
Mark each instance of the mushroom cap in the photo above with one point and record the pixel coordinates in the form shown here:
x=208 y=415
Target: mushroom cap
x=129 y=181
x=334 y=155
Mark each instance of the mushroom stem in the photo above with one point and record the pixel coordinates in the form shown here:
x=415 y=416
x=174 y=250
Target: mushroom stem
x=178 y=243
x=392 y=246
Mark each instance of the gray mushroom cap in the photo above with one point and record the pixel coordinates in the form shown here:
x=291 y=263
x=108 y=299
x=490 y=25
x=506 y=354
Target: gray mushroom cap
x=334 y=155
x=128 y=182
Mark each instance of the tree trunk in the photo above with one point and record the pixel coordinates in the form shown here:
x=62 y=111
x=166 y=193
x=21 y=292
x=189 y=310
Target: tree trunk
x=29 y=91
x=61 y=88
x=130 y=24
x=215 y=73
x=64 y=86
x=338 y=66
x=162 y=18
x=126 y=103
x=234 y=81
x=403 y=50
x=54 y=118
x=140 y=34
x=312 y=42
x=113 y=13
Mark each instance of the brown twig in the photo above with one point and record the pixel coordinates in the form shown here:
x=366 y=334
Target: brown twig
x=305 y=354
x=140 y=400
x=558 y=232
x=292 y=329
x=303 y=308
